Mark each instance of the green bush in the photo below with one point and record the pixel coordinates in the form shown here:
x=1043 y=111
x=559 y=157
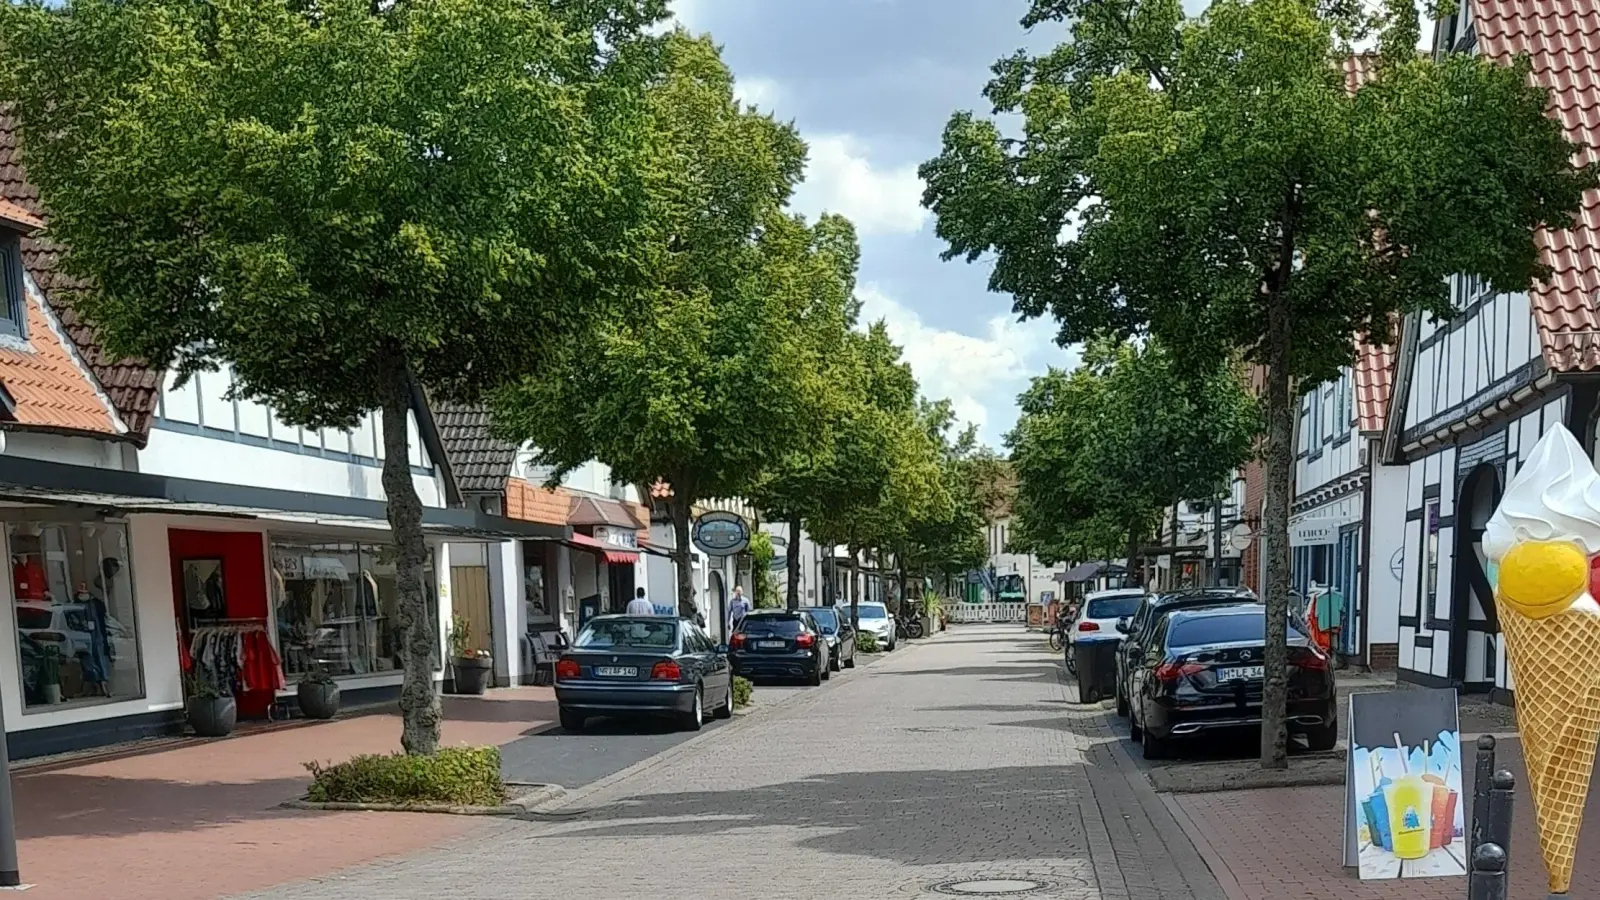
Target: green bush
x=464 y=776
x=742 y=689
x=866 y=642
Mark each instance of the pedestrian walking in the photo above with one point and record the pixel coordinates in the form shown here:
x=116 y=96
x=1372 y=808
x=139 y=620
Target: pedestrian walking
x=639 y=606
x=738 y=608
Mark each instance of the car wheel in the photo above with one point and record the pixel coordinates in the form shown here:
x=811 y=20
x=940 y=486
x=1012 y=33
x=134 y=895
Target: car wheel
x=815 y=678
x=694 y=718
x=1135 y=733
x=833 y=664
x=1122 y=704
x=1153 y=748
x=725 y=711
x=826 y=670
x=572 y=720
x=851 y=662
x=1323 y=738
x=891 y=646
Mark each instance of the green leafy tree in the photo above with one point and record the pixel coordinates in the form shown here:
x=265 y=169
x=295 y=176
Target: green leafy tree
x=946 y=539
x=348 y=203
x=712 y=376
x=1217 y=182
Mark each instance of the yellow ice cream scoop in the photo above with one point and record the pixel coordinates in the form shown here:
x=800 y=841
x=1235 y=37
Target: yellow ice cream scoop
x=1541 y=578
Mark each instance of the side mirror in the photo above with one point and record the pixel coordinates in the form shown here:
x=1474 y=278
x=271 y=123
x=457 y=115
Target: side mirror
x=1122 y=624
x=722 y=649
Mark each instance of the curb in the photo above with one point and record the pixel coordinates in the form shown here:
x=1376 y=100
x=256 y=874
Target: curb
x=560 y=807
x=532 y=796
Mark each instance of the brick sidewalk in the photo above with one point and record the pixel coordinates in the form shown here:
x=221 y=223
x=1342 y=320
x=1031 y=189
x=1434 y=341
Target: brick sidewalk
x=1281 y=843
x=199 y=821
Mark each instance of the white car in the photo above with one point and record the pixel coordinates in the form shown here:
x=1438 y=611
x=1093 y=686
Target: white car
x=1097 y=617
x=875 y=620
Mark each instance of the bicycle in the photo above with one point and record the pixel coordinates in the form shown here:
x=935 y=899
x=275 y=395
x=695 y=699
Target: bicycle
x=1058 y=635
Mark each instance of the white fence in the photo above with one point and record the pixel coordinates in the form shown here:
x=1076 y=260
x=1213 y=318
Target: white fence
x=987 y=612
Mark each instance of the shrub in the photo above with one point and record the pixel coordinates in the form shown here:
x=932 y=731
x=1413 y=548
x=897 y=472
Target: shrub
x=742 y=689
x=866 y=642
x=464 y=776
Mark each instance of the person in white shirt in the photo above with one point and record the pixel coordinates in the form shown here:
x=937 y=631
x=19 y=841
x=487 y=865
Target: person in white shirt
x=639 y=606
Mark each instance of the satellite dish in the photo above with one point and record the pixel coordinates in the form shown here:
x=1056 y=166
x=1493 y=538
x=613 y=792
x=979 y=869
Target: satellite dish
x=1239 y=537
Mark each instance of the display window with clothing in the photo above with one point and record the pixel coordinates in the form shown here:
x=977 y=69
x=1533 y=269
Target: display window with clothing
x=77 y=632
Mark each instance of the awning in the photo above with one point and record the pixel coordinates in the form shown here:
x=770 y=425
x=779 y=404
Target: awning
x=120 y=492
x=595 y=545
x=1087 y=571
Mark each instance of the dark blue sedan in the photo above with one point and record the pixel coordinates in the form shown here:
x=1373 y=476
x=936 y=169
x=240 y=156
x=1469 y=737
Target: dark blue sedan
x=643 y=666
x=781 y=644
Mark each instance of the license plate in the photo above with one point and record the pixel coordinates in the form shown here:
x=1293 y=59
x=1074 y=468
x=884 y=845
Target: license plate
x=1241 y=673
x=770 y=645
x=616 y=671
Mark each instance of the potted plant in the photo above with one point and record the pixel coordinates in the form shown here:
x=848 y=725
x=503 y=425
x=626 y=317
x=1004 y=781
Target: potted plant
x=212 y=712
x=318 y=694
x=470 y=668
x=50 y=675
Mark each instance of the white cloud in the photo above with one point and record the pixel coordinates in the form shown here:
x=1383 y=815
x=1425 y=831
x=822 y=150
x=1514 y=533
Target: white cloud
x=980 y=375
x=689 y=12
x=840 y=178
x=757 y=91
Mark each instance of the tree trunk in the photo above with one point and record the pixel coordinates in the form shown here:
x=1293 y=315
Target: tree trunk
x=792 y=564
x=1133 y=551
x=420 y=710
x=678 y=508
x=905 y=600
x=854 y=586
x=1275 y=538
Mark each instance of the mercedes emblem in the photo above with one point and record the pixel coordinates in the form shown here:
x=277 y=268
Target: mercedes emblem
x=1245 y=655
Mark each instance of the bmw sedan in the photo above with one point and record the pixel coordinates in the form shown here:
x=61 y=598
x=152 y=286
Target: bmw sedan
x=643 y=666
x=1202 y=673
x=780 y=644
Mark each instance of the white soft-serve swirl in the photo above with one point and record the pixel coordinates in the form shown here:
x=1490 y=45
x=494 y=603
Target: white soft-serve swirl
x=1555 y=496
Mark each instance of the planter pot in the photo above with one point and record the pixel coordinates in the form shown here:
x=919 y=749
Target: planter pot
x=318 y=699
x=52 y=693
x=212 y=716
x=929 y=624
x=471 y=674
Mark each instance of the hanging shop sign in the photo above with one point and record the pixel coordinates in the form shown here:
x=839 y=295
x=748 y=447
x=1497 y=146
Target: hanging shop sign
x=721 y=533
x=621 y=538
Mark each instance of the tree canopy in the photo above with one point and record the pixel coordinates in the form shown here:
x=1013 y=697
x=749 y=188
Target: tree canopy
x=1216 y=181
x=347 y=203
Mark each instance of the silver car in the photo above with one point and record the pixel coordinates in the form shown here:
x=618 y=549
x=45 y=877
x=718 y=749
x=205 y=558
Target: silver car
x=875 y=620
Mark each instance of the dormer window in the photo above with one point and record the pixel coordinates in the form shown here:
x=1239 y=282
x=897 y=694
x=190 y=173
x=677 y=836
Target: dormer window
x=14 y=312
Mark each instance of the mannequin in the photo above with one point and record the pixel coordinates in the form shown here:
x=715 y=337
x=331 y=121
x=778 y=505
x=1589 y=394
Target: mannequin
x=97 y=661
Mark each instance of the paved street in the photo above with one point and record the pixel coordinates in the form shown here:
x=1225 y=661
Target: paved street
x=960 y=759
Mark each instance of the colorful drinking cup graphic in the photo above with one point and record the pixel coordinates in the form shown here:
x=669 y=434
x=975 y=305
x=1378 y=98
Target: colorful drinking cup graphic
x=1444 y=817
x=1410 y=801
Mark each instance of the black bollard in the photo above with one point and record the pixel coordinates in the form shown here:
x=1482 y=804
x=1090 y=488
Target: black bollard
x=1482 y=782
x=1498 y=826
x=1488 y=878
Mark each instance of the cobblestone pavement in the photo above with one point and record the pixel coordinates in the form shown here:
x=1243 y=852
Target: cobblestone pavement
x=963 y=758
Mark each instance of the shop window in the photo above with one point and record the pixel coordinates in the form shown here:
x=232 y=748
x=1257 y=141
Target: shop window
x=338 y=608
x=1430 y=558
x=533 y=596
x=14 y=309
x=77 y=633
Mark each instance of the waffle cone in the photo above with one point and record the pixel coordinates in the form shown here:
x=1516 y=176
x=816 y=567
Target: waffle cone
x=1558 y=715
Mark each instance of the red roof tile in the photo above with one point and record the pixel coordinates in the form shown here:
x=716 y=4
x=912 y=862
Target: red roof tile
x=49 y=386
x=1561 y=39
x=14 y=215
x=131 y=386
x=1374 y=374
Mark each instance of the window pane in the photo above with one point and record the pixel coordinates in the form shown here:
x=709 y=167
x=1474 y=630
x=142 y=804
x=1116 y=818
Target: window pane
x=639 y=633
x=77 y=635
x=782 y=625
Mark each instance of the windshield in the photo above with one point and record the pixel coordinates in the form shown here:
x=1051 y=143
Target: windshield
x=1113 y=607
x=871 y=612
x=779 y=625
x=827 y=618
x=642 y=633
x=1222 y=629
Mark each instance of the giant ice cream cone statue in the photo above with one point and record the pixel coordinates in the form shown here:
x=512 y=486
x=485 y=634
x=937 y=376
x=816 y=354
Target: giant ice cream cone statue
x=1542 y=538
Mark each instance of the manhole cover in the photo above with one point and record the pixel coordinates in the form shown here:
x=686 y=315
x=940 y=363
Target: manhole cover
x=991 y=887
x=936 y=729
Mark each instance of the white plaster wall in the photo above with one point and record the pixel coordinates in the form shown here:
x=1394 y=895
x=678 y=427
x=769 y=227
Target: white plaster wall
x=76 y=451
x=1386 y=559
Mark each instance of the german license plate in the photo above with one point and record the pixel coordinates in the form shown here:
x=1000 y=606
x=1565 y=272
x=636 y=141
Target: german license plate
x=770 y=645
x=616 y=671
x=1240 y=673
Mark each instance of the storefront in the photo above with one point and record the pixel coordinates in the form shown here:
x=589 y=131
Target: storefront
x=123 y=587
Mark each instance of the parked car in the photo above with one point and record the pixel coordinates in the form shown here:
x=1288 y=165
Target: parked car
x=875 y=620
x=1202 y=673
x=841 y=637
x=643 y=666
x=778 y=643
x=1136 y=629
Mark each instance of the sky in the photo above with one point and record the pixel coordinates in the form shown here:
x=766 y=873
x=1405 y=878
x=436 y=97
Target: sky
x=871 y=84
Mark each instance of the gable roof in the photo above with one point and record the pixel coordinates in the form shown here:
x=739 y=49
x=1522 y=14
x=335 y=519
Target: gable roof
x=480 y=461
x=1374 y=377
x=131 y=387
x=1561 y=39
x=49 y=388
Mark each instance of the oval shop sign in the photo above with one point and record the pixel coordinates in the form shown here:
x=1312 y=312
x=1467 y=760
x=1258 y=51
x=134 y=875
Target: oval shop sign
x=721 y=534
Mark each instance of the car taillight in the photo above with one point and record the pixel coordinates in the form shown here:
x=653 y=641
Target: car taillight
x=1174 y=671
x=1310 y=660
x=805 y=640
x=568 y=668
x=666 y=670
x=737 y=640
x=1088 y=626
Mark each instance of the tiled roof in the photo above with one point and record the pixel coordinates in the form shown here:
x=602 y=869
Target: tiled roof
x=536 y=503
x=590 y=511
x=479 y=460
x=132 y=387
x=16 y=216
x=1374 y=373
x=47 y=383
x=1359 y=69
x=1561 y=39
